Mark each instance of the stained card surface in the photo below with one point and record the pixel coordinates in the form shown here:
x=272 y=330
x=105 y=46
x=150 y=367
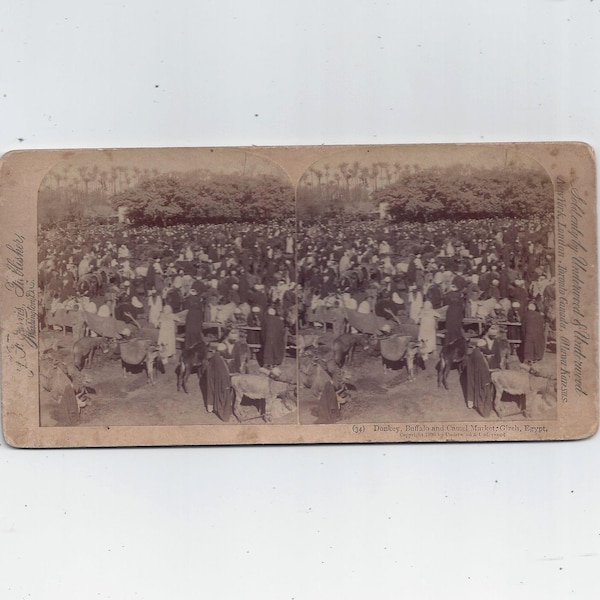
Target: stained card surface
x=299 y=295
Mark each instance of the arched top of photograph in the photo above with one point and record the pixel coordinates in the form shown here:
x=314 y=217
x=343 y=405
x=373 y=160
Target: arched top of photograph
x=163 y=187
x=424 y=183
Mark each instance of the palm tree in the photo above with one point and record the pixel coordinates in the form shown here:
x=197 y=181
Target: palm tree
x=114 y=176
x=337 y=177
x=58 y=178
x=353 y=171
x=397 y=170
x=385 y=167
x=374 y=174
x=85 y=177
x=319 y=175
x=102 y=177
x=93 y=175
x=343 y=167
x=364 y=176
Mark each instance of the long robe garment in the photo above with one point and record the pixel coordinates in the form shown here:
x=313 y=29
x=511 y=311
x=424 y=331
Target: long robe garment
x=328 y=409
x=193 y=323
x=454 y=317
x=166 y=334
x=479 y=383
x=218 y=388
x=273 y=334
x=155 y=303
x=427 y=329
x=513 y=332
x=415 y=302
x=492 y=353
x=533 y=335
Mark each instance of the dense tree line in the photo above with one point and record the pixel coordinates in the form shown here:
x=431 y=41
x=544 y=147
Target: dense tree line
x=162 y=199
x=76 y=193
x=172 y=199
x=419 y=194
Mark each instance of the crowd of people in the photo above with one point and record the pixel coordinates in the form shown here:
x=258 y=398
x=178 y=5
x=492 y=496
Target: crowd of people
x=177 y=280
x=496 y=275
x=255 y=281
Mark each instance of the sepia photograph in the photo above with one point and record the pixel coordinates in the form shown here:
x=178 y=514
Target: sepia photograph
x=166 y=290
x=302 y=294
x=427 y=287
x=327 y=294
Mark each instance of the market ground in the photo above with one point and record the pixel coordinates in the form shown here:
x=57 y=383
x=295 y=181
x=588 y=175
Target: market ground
x=376 y=397
x=117 y=400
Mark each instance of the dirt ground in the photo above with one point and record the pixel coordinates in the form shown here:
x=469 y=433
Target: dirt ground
x=118 y=400
x=391 y=398
x=374 y=397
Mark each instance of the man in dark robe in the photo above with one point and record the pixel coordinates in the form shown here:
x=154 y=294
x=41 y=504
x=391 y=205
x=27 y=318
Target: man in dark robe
x=257 y=297
x=151 y=276
x=384 y=306
x=519 y=294
x=513 y=332
x=273 y=337
x=534 y=343
x=454 y=315
x=219 y=395
x=244 y=288
x=289 y=300
x=434 y=295
x=174 y=299
x=199 y=286
x=127 y=311
x=328 y=409
x=479 y=381
x=491 y=349
x=194 y=320
x=411 y=271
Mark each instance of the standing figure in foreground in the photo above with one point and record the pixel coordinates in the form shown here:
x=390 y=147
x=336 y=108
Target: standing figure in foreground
x=273 y=335
x=533 y=334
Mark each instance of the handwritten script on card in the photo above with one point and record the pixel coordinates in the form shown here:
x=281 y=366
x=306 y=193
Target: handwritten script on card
x=24 y=336
x=574 y=334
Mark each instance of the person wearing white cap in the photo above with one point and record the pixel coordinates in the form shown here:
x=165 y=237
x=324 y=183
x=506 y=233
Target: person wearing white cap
x=520 y=295
x=492 y=349
x=254 y=319
x=494 y=290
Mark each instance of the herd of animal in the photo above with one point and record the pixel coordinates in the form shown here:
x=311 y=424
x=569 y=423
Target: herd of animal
x=70 y=386
x=396 y=351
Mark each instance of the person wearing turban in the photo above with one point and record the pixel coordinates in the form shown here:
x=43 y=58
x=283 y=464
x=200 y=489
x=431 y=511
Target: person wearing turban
x=534 y=343
x=273 y=338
